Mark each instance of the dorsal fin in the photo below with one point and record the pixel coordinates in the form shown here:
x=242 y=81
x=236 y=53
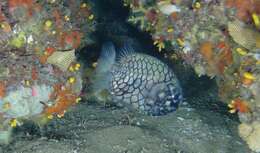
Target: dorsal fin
x=127 y=49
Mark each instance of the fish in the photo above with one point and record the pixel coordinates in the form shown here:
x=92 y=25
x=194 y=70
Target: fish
x=137 y=80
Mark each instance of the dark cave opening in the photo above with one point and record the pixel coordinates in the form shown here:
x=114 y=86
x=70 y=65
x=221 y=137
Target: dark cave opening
x=112 y=25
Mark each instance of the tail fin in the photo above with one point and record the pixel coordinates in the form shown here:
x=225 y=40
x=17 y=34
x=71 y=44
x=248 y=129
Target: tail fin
x=102 y=74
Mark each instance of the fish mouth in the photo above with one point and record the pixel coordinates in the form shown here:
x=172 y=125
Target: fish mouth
x=166 y=101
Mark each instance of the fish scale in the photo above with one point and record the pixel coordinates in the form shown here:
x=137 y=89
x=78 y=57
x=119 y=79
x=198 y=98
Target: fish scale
x=142 y=73
x=137 y=80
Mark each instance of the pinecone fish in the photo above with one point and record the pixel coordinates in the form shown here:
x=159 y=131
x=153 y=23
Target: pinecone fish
x=137 y=80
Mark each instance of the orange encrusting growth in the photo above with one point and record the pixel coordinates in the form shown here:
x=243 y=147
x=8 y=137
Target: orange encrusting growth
x=29 y=5
x=245 y=8
x=43 y=59
x=206 y=50
x=4 y=25
x=217 y=57
x=17 y=3
x=72 y=38
x=64 y=98
x=239 y=105
x=174 y=16
x=2 y=16
x=225 y=56
x=58 y=19
x=48 y=52
x=2 y=89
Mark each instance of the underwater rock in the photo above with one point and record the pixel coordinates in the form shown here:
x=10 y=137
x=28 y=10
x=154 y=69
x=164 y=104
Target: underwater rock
x=125 y=139
x=40 y=77
x=91 y=129
x=33 y=33
x=37 y=26
x=251 y=134
x=199 y=125
x=44 y=146
x=219 y=39
x=33 y=91
x=5 y=136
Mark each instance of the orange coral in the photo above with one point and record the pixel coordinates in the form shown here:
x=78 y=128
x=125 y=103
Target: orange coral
x=222 y=57
x=58 y=18
x=72 y=38
x=206 y=50
x=174 y=16
x=43 y=59
x=4 y=24
x=64 y=98
x=77 y=39
x=16 y=3
x=57 y=87
x=2 y=89
x=225 y=56
x=245 y=8
x=49 y=50
x=2 y=16
x=29 y=5
x=13 y=4
x=239 y=105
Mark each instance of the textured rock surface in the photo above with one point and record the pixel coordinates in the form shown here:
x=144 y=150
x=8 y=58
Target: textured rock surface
x=89 y=129
x=200 y=125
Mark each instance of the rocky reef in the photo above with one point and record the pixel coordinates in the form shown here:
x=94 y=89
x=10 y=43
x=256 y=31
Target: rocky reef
x=48 y=54
x=40 y=77
x=220 y=39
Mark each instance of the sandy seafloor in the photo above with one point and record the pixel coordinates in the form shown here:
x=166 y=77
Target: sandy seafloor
x=198 y=126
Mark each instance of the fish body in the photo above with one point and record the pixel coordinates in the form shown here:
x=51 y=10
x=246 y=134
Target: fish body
x=140 y=81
